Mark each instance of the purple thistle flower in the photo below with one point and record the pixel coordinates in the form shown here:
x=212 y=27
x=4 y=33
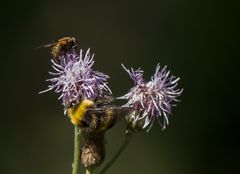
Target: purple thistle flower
x=151 y=100
x=74 y=78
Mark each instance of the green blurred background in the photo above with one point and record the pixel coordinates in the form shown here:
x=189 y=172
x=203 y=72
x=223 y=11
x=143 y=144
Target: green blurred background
x=198 y=40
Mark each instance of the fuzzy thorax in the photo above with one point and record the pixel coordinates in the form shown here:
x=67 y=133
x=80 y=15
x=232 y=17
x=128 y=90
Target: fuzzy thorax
x=77 y=113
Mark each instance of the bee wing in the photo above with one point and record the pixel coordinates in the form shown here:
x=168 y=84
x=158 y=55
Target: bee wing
x=103 y=100
x=46 y=45
x=64 y=39
x=117 y=109
x=96 y=110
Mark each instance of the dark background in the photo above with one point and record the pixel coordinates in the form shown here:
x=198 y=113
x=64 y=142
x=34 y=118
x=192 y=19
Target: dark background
x=198 y=40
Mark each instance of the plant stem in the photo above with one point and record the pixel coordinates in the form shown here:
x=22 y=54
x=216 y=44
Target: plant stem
x=77 y=133
x=89 y=171
x=127 y=139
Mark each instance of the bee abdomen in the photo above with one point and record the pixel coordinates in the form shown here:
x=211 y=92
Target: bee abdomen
x=56 y=50
x=107 y=121
x=110 y=119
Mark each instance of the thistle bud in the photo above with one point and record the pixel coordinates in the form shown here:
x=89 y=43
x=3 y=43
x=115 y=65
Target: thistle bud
x=93 y=152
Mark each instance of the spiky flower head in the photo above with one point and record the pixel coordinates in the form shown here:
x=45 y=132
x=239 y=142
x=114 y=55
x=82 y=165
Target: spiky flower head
x=151 y=99
x=74 y=79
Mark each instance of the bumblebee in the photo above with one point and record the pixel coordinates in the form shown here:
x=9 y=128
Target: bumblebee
x=61 y=46
x=94 y=119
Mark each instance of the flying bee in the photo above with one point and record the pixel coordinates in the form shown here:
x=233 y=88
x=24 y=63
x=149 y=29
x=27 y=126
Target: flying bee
x=61 y=46
x=94 y=120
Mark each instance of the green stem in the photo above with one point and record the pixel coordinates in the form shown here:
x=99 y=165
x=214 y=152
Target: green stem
x=89 y=171
x=127 y=139
x=77 y=133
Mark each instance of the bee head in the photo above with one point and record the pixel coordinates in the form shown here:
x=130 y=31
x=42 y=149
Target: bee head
x=74 y=40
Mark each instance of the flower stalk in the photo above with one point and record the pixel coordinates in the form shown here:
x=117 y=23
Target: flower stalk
x=76 y=161
x=89 y=171
x=128 y=138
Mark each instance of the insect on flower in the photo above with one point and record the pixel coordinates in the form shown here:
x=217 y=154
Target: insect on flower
x=94 y=121
x=61 y=46
x=75 y=80
x=87 y=101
